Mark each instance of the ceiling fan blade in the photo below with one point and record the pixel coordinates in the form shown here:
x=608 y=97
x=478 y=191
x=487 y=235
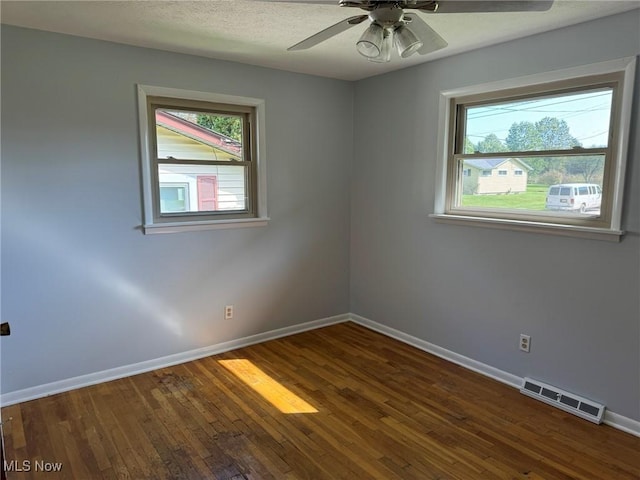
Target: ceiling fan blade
x=482 y=6
x=319 y=2
x=329 y=32
x=431 y=41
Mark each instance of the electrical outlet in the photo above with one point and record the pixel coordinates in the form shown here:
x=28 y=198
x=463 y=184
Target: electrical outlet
x=525 y=342
x=228 y=312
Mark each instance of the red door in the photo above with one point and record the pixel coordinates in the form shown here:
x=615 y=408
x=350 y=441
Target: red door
x=207 y=193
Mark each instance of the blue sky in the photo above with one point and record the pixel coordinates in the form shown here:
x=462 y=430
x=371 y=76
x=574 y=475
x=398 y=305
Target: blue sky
x=587 y=115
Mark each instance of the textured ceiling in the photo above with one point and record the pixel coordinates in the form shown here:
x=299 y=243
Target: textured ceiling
x=258 y=32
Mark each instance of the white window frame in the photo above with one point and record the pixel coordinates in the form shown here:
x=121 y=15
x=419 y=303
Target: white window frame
x=151 y=225
x=621 y=126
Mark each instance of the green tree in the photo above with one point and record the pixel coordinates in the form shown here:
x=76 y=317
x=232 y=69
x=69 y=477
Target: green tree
x=590 y=168
x=490 y=144
x=522 y=137
x=539 y=166
x=555 y=135
x=224 y=124
x=548 y=133
x=469 y=147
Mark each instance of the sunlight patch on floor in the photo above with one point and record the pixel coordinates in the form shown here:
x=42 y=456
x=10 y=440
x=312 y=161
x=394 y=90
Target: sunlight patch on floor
x=277 y=394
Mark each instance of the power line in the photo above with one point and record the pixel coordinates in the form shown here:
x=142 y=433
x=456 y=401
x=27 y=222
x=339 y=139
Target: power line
x=490 y=111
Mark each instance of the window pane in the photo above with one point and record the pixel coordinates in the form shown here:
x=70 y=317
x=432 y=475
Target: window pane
x=202 y=188
x=562 y=185
x=188 y=135
x=174 y=197
x=543 y=123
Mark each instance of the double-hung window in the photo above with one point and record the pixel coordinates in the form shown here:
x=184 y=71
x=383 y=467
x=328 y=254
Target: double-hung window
x=202 y=160
x=507 y=150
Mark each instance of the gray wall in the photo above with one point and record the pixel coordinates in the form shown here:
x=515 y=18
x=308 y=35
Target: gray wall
x=83 y=288
x=473 y=290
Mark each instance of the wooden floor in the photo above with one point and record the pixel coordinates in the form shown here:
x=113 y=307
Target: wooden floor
x=375 y=409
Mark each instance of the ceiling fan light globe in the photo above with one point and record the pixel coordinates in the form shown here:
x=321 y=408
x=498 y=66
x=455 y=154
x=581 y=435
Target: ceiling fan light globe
x=407 y=42
x=367 y=49
x=385 y=51
x=370 y=43
x=410 y=51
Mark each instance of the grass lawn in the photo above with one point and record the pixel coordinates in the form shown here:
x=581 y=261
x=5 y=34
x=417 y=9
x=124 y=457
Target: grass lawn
x=533 y=199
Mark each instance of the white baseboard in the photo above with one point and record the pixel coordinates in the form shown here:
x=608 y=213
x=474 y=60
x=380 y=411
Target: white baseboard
x=60 y=386
x=620 y=422
x=612 y=419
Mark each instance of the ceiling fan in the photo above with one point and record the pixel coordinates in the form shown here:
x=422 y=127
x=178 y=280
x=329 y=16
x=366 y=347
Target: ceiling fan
x=389 y=25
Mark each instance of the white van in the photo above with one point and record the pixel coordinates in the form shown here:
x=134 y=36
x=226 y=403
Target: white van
x=574 y=196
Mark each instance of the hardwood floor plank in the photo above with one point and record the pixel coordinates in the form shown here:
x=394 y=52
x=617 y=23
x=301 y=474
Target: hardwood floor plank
x=384 y=410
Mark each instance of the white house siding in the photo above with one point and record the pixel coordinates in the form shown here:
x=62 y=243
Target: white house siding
x=230 y=178
x=231 y=191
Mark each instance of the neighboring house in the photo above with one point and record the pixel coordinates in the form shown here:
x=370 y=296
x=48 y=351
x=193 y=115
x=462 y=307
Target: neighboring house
x=187 y=187
x=495 y=176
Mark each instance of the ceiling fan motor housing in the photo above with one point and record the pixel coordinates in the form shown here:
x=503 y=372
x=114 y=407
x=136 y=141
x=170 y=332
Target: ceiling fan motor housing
x=387 y=17
x=369 y=5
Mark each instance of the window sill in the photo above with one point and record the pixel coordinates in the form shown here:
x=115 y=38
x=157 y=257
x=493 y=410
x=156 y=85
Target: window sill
x=177 y=227
x=525 y=226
